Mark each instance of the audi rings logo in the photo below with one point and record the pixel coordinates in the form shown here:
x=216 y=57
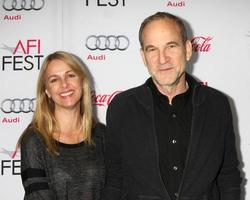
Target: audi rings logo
x=17 y=105
x=110 y=42
x=18 y=5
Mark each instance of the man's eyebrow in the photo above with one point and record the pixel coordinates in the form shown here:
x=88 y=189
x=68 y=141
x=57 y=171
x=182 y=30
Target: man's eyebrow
x=148 y=47
x=172 y=42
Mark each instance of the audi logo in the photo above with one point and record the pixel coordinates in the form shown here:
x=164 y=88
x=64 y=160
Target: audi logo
x=18 y=5
x=17 y=105
x=110 y=42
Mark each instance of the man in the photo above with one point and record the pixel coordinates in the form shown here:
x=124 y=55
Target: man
x=170 y=138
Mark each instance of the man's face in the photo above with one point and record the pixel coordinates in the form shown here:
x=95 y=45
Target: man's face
x=164 y=53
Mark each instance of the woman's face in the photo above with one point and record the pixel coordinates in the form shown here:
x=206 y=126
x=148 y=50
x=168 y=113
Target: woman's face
x=63 y=85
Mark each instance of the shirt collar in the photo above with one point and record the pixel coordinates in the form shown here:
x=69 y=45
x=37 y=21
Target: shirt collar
x=183 y=97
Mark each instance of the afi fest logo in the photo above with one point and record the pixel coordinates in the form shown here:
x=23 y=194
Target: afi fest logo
x=110 y=3
x=102 y=99
x=10 y=154
x=201 y=44
x=26 y=56
x=10 y=162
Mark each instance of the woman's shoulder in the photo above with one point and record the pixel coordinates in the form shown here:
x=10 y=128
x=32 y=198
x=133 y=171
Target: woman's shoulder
x=31 y=137
x=31 y=144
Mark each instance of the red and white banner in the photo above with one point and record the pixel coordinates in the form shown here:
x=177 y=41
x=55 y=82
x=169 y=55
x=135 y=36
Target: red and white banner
x=104 y=34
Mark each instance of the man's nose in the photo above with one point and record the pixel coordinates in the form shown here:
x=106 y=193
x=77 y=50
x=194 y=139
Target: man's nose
x=163 y=56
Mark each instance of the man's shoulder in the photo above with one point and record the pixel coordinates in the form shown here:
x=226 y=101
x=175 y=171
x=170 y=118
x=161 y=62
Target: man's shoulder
x=204 y=90
x=211 y=94
x=99 y=130
x=129 y=94
x=212 y=91
x=127 y=101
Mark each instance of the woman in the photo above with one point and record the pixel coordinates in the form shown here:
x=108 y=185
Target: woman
x=62 y=148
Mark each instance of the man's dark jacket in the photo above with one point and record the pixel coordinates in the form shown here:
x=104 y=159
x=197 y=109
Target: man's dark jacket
x=132 y=159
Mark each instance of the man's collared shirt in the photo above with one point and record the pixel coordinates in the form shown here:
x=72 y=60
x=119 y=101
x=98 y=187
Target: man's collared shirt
x=173 y=127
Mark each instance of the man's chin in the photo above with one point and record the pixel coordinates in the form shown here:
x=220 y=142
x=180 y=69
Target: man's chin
x=165 y=83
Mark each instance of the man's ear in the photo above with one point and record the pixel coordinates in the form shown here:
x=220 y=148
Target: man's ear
x=188 y=50
x=143 y=56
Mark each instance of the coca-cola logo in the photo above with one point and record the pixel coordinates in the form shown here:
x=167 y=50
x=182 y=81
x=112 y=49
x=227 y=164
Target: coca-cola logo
x=201 y=44
x=102 y=99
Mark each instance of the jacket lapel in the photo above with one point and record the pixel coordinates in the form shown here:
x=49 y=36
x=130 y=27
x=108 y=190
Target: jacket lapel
x=144 y=96
x=198 y=123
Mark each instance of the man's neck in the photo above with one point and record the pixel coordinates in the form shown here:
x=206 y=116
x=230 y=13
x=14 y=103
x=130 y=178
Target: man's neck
x=173 y=90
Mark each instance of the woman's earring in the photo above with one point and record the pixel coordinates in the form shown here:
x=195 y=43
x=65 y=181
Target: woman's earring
x=47 y=93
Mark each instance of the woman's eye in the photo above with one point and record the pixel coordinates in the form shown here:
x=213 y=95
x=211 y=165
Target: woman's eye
x=53 y=80
x=72 y=75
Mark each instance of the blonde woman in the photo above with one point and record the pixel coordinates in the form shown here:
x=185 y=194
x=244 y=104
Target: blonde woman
x=62 y=148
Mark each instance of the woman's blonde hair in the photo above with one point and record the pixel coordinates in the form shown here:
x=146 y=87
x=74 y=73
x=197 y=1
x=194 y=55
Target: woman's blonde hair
x=43 y=120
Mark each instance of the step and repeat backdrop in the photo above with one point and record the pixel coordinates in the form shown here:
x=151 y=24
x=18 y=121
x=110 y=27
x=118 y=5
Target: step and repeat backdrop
x=104 y=35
